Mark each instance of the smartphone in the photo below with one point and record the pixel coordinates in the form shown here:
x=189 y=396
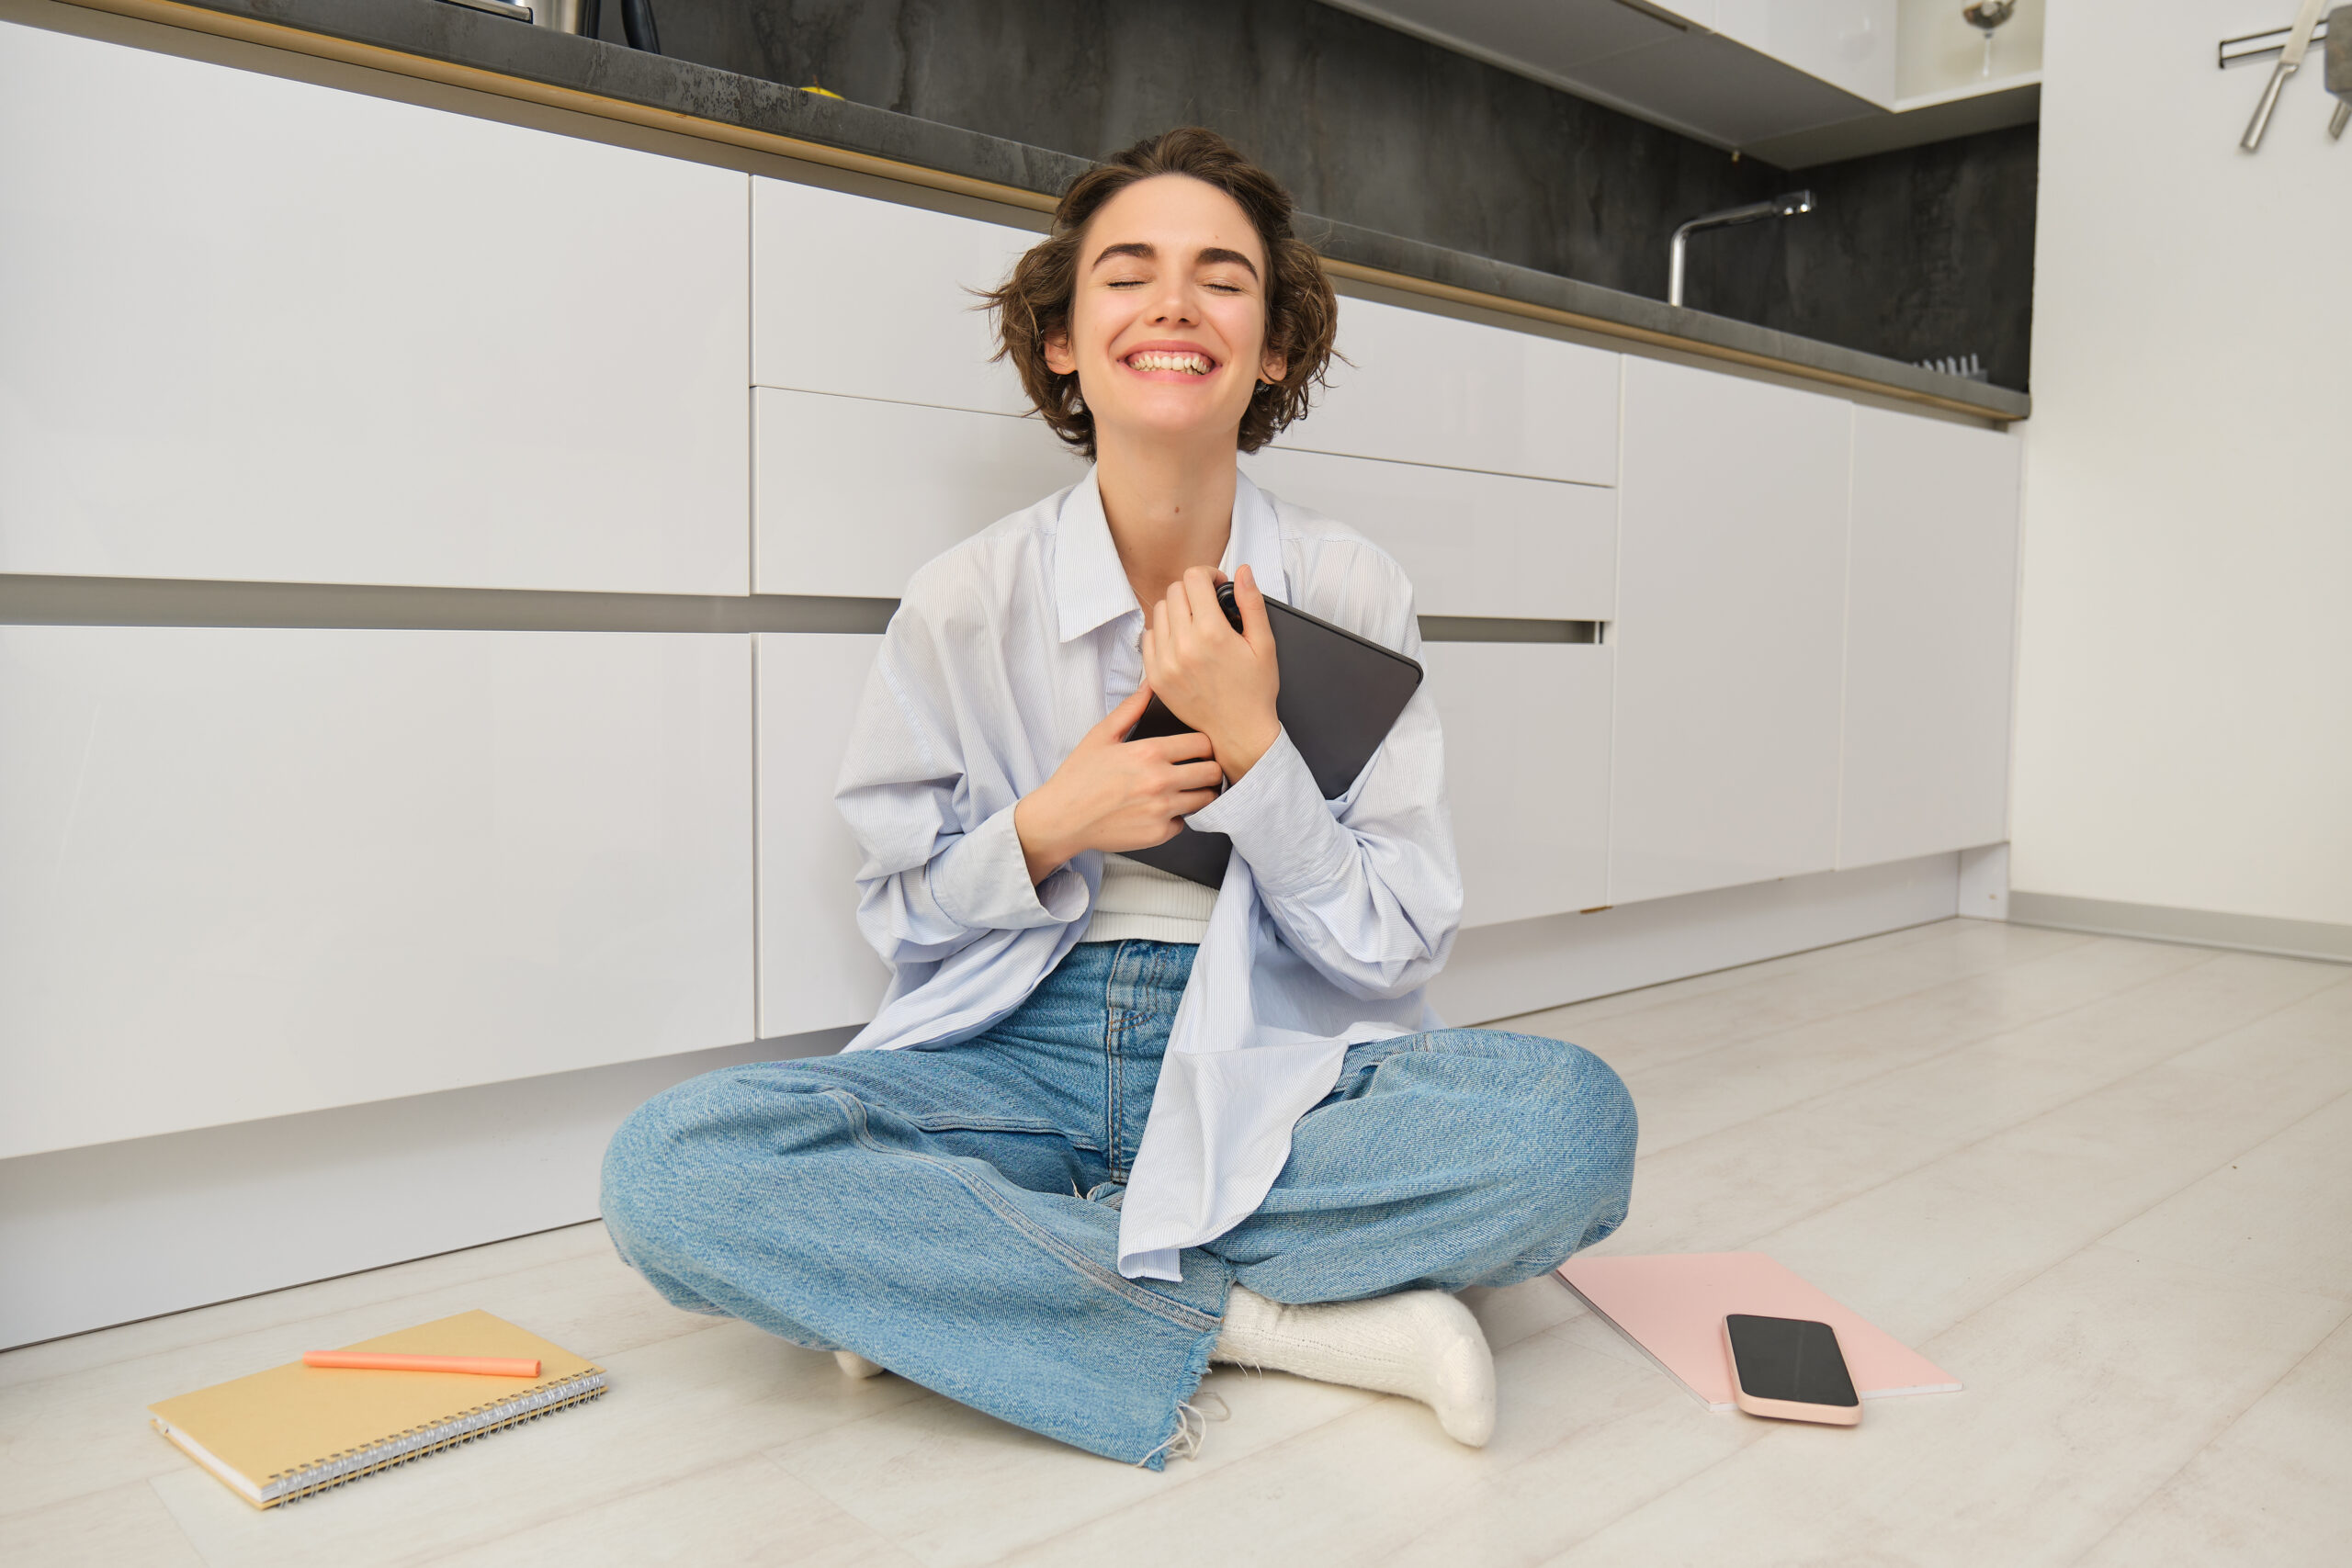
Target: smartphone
x=1791 y=1368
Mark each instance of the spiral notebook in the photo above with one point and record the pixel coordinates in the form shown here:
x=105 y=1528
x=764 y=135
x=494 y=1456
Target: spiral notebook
x=292 y=1430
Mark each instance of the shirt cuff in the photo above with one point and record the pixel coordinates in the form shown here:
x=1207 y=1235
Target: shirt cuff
x=1278 y=821
x=981 y=882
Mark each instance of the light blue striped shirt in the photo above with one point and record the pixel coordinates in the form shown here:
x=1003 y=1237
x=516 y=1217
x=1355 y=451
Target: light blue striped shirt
x=1332 y=916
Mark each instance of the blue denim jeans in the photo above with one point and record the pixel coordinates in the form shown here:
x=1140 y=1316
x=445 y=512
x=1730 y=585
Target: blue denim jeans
x=953 y=1214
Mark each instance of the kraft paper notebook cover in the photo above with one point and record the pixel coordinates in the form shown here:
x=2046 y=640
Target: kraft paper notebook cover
x=1673 y=1307
x=290 y=1431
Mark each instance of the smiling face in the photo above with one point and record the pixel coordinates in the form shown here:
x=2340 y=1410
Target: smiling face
x=1168 y=317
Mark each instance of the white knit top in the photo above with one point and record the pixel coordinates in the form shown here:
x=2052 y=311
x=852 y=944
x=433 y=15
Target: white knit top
x=1143 y=901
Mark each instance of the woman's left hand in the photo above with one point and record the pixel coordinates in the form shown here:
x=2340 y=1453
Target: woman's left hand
x=1220 y=682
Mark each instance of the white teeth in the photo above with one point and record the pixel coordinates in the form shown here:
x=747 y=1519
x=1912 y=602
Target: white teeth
x=1155 y=359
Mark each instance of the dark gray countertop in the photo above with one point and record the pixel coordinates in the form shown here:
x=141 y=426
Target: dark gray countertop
x=452 y=34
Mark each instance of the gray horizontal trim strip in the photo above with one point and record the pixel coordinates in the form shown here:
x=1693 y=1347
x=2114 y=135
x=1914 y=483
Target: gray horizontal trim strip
x=2199 y=927
x=1502 y=628
x=28 y=600
x=37 y=600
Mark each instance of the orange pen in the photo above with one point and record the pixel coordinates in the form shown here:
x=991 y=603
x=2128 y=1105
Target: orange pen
x=383 y=1361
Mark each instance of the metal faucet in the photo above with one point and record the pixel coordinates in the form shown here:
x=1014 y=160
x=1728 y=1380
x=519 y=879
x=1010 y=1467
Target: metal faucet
x=1787 y=205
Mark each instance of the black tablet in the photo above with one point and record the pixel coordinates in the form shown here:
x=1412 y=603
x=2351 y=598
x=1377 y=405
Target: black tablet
x=1340 y=693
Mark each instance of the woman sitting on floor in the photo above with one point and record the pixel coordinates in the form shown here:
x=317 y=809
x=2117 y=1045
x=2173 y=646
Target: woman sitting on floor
x=1110 y=1125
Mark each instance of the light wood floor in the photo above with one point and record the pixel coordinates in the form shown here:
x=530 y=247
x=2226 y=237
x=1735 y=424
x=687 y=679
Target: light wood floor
x=2108 y=1184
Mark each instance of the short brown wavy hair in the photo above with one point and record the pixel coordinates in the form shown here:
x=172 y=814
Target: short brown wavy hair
x=1302 y=316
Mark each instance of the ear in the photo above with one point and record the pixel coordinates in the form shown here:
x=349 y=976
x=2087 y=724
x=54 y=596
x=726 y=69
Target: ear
x=1273 y=366
x=1058 y=358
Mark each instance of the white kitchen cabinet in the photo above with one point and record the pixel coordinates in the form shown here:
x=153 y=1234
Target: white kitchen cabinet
x=261 y=329
x=1473 y=543
x=872 y=298
x=1526 y=773
x=850 y=494
x=1419 y=388
x=1930 y=603
x=1848 y=43
x=816 y=970
x=246 y=873
x=1729 y=634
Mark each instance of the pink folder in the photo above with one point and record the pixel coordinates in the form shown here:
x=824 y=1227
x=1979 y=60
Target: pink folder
x=1673 y=1307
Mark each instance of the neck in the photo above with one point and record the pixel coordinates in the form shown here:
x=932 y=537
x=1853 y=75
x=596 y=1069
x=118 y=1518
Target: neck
x=1169 y=507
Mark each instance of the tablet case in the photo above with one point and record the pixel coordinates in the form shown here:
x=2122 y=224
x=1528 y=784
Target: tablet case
x=1341 y=694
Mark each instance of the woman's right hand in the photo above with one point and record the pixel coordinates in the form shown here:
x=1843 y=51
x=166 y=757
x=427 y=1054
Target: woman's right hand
x=1115 y=795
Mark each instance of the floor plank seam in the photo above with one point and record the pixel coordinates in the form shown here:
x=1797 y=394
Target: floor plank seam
x=178 y=1528
x=1856 y=959
x=298 y=1285
x=372 y=1304
x=1705 y=1051
x=1015 y=1553
x=2100 y=1239
x=2046 y=1111
x=2037 y=1021
x=2218 y=1432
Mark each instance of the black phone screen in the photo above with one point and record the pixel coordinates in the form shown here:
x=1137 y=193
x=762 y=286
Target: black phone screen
x=1789 y=1358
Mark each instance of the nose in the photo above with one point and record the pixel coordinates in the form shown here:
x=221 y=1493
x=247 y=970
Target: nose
x=1176 y=303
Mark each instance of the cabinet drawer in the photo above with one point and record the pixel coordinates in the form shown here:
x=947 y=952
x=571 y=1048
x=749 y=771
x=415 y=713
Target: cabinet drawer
x=1428 y=389
x=871 y=299
x=250 y=873
x=852 y=495
x=259 y=328
x=816 y=970
x=1526 y=773
x=1473 y=543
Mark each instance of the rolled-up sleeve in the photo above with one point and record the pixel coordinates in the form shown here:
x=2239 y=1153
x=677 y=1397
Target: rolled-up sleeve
x=926 y=885
x=1279 y=823
x=981 y=882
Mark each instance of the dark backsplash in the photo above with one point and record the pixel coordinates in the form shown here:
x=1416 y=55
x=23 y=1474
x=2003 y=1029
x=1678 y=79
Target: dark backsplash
x=1926 y=252
x=1914 y=255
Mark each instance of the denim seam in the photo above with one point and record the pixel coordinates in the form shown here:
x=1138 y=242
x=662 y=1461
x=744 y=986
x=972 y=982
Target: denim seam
x=1115 y=1021
x=959 y=1122
x=1158 y=1305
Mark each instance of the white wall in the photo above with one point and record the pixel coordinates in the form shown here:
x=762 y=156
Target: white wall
x=1937 y=52
x=2184 y=690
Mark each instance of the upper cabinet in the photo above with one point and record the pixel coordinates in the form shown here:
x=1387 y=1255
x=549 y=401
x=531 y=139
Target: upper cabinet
x=1795 y=82
x=1931 y=599
x=1418 y=387
x=1729 y=634
x=262 y=328
x=873 y=299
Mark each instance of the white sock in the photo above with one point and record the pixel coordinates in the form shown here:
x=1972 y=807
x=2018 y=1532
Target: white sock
x=1421 y=1344
x=858 y=1366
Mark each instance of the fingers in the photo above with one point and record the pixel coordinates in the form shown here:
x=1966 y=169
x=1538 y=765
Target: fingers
x=1199 y=586
x=1206 y=775
x=1185 y=747
x=1119 y=720
x=1257 y=630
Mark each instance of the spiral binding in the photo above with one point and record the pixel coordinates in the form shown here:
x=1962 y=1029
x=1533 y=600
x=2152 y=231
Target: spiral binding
x=334 y=1470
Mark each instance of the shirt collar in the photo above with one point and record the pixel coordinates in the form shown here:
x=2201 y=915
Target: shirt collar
x=1091 y=588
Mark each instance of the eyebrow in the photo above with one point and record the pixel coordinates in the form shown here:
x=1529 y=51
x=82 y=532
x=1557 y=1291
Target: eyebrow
x=1144 y=252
